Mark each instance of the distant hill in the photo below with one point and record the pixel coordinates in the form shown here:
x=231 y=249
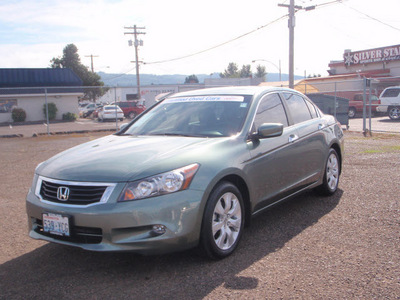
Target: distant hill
x=151 y=79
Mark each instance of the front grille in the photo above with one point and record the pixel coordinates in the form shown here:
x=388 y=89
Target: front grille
x=78 y=194
x=82 y=235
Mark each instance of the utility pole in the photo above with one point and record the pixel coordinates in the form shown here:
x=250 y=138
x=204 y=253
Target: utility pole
x=136 y=43
x=91 y=58
x=291 y=25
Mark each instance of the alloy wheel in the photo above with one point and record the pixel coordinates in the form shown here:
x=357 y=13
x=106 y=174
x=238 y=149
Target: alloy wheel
x=226 y=222
x=332 y=171
x=394 y=113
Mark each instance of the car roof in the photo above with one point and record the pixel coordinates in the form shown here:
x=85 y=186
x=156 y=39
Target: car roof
x=393 y=87
x=231 y=90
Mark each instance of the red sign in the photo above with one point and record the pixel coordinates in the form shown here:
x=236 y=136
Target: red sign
x=372 y=55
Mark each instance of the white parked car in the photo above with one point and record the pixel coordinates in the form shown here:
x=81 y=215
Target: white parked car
x=390 y=102
x=110 y=112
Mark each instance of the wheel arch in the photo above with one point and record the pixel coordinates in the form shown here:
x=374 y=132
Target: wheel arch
x=338 y=150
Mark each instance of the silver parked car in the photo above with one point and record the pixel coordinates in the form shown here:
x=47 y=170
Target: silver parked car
x=110 y=112
x=188 y=172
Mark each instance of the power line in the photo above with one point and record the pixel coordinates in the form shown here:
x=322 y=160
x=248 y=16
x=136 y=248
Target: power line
x=372 y=18
x=219 y=45
x=317 y=6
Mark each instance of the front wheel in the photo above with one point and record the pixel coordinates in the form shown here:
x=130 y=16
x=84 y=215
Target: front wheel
x=331 y=174
x=223 y=221
x=394 y=113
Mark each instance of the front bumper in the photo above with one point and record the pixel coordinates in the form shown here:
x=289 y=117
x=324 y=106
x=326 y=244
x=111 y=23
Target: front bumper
x=125 y=226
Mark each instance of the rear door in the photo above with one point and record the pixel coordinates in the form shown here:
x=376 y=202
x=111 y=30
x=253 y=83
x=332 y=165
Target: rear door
x=311 y=145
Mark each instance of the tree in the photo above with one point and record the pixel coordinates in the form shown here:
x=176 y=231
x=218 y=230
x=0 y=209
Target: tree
x=231 y=71
x=191 y=79
x=314 y=75
x=71 y=60
x=245 y=72
x=261 y=73
x=51 y=110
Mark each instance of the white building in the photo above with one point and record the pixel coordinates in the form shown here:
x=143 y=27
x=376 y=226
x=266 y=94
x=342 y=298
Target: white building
x=30 y=89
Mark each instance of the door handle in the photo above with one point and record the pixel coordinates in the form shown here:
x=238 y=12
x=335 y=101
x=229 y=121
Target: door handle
x=292 y=138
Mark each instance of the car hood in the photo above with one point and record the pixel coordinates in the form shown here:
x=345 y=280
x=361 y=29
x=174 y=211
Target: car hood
x=124 y=158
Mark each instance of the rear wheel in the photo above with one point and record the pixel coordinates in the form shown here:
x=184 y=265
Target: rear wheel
x=223 y=221
x=132 y=115
x=394 y=112
x=331 y=175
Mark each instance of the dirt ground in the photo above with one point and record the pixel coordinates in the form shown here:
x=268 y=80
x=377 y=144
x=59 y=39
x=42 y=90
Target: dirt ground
x=342 y=247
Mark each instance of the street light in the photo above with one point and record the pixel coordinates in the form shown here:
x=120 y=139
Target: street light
x=279 y=68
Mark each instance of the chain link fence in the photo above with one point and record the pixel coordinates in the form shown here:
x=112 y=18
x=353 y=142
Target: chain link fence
x=345 y=99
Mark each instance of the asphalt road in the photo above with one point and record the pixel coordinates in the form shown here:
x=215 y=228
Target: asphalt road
x=340 y=247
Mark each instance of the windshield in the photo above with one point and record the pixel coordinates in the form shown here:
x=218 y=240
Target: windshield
x=202 y=116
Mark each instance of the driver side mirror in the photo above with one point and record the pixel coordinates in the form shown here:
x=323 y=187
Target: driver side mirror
x=268 y=130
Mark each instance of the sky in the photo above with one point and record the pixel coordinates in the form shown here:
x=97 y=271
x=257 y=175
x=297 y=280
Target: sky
x=193 y=37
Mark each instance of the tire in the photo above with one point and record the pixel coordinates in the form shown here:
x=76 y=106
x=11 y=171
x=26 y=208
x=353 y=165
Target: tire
x=131 y=115
x=394 y=112
x=352 y=112
x=331 y=174
x=223 y=221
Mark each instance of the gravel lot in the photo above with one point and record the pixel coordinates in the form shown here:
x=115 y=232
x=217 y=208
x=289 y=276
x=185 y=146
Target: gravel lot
x=340 y=247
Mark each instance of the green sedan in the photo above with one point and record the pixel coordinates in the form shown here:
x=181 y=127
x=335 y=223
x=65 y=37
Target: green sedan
x=189 y=172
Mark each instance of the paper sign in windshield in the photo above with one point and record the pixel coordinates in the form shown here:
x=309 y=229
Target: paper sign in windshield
x=207 y=99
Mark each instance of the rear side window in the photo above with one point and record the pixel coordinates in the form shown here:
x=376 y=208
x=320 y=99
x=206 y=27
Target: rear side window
x=311 y=107
x=298 y=108
x=270 y=110
x=391 y=93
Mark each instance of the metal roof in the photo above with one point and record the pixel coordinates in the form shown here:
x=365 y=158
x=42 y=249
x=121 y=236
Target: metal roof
x=48 y=77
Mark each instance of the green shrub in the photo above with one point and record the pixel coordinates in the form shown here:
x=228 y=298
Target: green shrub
x=69 y=116
x=52 y=110
x=18 y=114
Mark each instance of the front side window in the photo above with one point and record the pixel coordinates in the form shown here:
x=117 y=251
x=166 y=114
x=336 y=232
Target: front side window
x=270 y=110
x=298 y=108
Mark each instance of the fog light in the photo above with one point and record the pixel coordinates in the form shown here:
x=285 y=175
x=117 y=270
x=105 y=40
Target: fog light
x=159 y=229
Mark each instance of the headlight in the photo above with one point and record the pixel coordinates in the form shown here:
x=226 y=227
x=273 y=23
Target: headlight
x=165 y=183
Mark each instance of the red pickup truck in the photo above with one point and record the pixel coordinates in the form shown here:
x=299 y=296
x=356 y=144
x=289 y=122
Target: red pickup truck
x=356 y=104
x=356 y=101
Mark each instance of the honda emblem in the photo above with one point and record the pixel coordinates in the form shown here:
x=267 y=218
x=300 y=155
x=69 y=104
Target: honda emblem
x=63 y=193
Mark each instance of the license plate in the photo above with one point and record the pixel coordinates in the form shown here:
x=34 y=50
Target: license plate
x=56 y=224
